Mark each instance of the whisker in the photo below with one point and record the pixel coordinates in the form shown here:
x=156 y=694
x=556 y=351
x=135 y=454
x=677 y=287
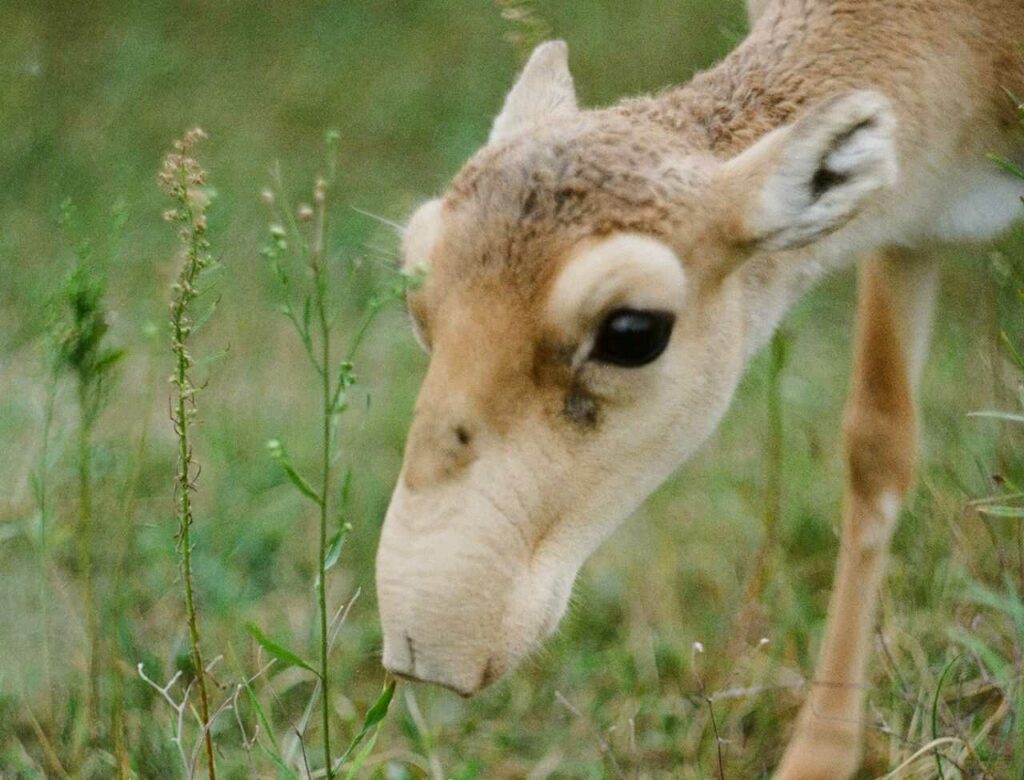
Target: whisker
x=382 y=220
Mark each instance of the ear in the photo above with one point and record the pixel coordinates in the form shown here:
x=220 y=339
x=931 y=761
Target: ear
x=543 y=89
x=804 y=181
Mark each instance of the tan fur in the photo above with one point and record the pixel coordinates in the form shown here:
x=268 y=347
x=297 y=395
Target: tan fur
x=879 y=424
x=880 y=449
x=755 y=8
x=837 y=129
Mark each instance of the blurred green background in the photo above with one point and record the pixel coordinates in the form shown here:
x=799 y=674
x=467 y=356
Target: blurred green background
x=92 y=94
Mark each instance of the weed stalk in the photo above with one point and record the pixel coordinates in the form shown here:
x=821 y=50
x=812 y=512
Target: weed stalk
x=182 y=178
x=85 y=541
x=320 y=283
x=40 y=489
x=314 y=326
x=80 y=331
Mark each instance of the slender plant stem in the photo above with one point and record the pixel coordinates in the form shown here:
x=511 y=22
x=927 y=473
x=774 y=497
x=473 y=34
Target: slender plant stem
x=321 y=582
x=319 y=280
x=185 y=518
x=42 y=493
x=85 y=548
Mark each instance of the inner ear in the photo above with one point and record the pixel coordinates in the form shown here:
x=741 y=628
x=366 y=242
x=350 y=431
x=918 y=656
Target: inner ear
x=802 y=182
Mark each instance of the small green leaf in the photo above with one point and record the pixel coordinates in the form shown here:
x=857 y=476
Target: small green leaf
x=279 y=652
x=379 y=710
x=374 y=715
x=280 y=454
x=1006 y=165
x=362 y=755
x=334 y=550
x=300 y=482
x=109 y=359
x=346 y=486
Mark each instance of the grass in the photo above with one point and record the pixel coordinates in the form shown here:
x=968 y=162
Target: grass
x=78 y=348
x=413 y=89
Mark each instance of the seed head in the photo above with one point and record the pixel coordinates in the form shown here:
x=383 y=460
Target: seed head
x=180 y=169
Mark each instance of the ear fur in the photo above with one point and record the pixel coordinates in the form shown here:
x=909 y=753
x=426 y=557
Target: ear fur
x=543 y=89
x=801 y=182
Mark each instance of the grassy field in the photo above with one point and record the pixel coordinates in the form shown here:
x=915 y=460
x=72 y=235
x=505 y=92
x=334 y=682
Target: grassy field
x=93 y=96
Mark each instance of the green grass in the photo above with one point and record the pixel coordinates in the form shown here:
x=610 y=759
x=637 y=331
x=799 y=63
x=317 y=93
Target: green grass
x=95 y=93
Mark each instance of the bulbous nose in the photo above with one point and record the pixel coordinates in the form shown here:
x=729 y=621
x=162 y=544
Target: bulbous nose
x=447 y=565
x=403 y=659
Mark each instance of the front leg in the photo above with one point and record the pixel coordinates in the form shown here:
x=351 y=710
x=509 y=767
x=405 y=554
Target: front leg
x=896 y=292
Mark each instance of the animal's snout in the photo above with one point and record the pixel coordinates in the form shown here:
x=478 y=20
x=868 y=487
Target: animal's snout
x=443 y=583
x=464 y=676
x=462 y=597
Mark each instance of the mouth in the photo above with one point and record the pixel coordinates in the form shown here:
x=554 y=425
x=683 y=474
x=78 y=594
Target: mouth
x=409 y=677
x=492 y=671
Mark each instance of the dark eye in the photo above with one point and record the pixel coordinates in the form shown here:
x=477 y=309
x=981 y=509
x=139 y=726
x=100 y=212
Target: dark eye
x=631 y=338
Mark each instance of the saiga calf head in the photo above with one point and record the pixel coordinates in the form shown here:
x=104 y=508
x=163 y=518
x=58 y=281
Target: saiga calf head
x=587 y=323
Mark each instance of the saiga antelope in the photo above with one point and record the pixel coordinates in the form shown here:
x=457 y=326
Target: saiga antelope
x=596 y=281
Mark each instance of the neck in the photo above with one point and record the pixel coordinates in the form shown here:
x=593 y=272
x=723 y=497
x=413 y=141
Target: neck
x=797 y=54
x=770 y=286
x=765 y=83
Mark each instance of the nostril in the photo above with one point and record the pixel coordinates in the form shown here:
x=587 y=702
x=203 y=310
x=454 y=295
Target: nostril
x=491 y=673
x=463 y=435
x=412 y=653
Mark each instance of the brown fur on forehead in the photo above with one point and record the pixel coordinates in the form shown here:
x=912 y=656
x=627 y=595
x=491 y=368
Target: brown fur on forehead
x=518 y=207
x=497 y=350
